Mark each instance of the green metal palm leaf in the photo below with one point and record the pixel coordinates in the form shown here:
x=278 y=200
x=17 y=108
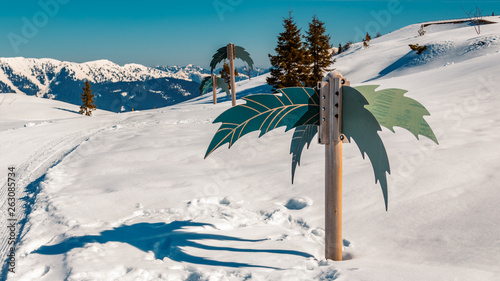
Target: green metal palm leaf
x=243 y=55
x=392 y=108
x=223 y=85
x=221 y=54
x=207 y=83
x=359 y=124
x=302 y=136
x=290 y=107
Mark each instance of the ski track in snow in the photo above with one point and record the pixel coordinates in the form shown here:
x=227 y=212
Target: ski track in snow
x=33 y=171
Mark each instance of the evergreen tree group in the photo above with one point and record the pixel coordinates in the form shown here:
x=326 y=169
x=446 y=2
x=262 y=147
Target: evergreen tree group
x=296 y=63
x=320 y=51
x=88 y=100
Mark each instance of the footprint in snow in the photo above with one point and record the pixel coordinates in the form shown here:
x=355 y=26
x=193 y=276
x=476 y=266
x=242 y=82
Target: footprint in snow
x=297 y=203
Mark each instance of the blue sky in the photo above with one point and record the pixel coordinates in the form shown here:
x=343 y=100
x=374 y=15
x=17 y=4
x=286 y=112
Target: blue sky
x=164 y=32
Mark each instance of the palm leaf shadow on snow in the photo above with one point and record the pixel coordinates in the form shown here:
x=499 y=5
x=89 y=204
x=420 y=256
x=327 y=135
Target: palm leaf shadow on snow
x=165 y=241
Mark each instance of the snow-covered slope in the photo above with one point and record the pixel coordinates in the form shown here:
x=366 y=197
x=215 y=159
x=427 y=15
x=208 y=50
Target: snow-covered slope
x=129 y=196
x=390 y=56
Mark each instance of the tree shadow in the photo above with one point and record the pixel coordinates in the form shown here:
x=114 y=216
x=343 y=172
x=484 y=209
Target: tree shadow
x=408 y=60
x=165 y=241
x=222 y=97
x=68 y=110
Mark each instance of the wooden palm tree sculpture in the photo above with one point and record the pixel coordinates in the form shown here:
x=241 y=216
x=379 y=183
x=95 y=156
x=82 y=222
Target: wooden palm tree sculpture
x=231 y=52
x=214 y=81
x=338 y=113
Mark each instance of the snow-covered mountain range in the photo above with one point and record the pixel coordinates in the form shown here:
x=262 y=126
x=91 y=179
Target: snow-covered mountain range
x=117 y=88
x=37 y=76
x=196 y=73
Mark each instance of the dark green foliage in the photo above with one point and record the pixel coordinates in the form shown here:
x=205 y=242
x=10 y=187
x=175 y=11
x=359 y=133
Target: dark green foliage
x=225 y=74
x=88 y=100
x=340 y=49
x=319 y=49
x=418 y=48
x=265 y=112
x=291 y=63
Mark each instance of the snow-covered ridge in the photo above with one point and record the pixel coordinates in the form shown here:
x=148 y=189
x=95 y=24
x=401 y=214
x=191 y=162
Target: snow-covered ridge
x=40 y=73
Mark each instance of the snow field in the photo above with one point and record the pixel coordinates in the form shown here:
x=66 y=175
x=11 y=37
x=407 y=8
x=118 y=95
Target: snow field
x=130 y=197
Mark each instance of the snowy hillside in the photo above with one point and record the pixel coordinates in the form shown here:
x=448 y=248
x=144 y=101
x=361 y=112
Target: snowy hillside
x=129 y=196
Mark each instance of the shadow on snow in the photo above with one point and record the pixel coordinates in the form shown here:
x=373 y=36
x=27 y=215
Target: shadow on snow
x=222 y=97
x=165 y=241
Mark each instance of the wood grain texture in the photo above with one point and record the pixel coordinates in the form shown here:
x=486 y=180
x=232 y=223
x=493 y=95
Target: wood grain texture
x=214 y=87
x=230 y=56
x=333 y=172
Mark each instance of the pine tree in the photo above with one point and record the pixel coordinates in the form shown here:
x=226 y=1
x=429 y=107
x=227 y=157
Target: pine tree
x=290 y=64
x=347 y=46
x=340 y=49
x=88 y=100
x=225 y=74
x=319 y=49
x=366 y=40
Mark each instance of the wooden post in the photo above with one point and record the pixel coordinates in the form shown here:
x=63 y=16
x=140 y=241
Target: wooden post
x=214 y=87
x=330 y=135
x=230 y=57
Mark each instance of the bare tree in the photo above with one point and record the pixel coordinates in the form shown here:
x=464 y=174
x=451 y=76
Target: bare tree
x=476 y=17
x=421 y=31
